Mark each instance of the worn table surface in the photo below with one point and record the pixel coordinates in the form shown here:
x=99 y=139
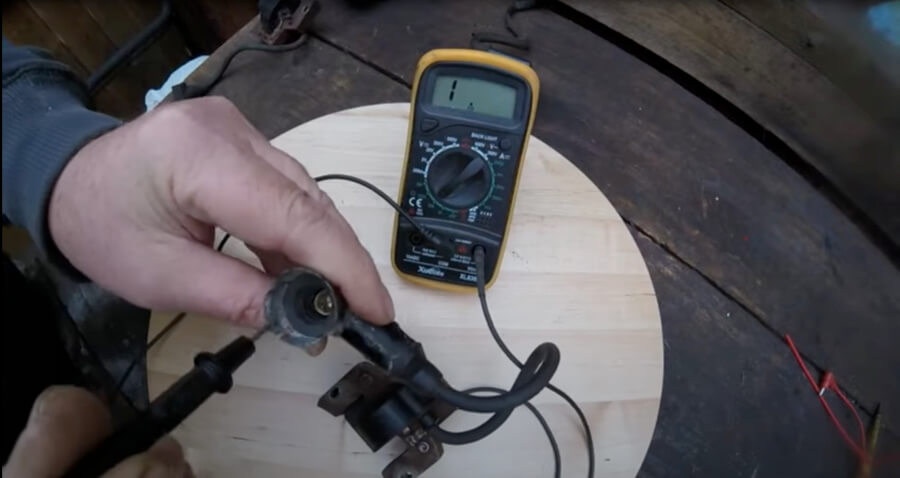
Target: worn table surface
x=572 y=274
x=741 y=245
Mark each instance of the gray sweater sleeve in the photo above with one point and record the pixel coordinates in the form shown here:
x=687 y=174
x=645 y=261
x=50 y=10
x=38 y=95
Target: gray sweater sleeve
x=45 y=122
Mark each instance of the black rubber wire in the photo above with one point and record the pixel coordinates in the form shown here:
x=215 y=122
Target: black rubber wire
x=433 y=238
x=554 y=447
x=482 y=297
x=533 y=377
x=489 y=426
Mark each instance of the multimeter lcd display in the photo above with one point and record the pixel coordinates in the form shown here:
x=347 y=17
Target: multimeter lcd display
x=475 y=95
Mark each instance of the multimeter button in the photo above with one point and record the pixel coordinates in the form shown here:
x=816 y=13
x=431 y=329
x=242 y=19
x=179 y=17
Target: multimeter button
x=429 y=124
x=462 y=250
x=505 y=144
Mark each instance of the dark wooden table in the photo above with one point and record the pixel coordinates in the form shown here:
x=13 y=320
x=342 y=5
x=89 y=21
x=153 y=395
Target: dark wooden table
x=742 y=243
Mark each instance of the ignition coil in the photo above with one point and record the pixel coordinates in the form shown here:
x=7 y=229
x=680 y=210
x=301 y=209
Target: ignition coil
x=403 y=394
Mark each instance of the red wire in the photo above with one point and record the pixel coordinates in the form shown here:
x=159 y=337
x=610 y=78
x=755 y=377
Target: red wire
x=799 y=360
x=859 y=423
x=832 y=384
x=860 y=453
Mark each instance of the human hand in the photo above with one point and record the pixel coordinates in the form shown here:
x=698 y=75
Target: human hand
x=65 y=424
x=136 y=209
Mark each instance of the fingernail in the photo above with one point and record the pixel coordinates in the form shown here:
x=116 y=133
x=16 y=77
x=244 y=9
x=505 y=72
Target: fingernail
x=45 y=401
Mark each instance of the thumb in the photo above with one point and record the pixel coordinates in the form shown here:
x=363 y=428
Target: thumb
x=164 y=459
x=201 y=280
x=65 y=423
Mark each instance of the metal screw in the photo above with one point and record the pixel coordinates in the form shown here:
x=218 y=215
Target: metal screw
x=424 y=447
x=323 y=303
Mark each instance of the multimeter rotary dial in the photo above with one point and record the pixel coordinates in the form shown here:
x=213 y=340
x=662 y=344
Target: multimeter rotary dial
x=459 y=178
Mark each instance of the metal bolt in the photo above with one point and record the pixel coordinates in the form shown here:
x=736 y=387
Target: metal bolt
x=323 y=303
x=424 y=447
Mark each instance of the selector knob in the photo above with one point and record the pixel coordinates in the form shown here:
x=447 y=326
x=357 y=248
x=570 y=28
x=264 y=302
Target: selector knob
x=459 y=179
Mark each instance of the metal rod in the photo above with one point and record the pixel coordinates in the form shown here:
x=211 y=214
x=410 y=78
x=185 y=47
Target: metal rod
x=259 y=333
x=132 y=48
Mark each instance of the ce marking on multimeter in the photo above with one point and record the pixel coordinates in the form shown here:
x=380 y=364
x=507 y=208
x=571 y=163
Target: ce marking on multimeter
x=470 y=119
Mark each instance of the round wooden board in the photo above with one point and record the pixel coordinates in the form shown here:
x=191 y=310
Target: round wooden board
x=571 y=274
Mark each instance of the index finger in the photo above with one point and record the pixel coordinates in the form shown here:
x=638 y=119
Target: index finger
x=249 y=198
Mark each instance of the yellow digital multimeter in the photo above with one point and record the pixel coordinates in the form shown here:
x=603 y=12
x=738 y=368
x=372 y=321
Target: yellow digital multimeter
x=469 y=123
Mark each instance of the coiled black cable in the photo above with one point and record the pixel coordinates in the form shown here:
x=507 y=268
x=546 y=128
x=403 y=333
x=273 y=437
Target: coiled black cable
x=482 y=297
x=503 y=409
x=533 y=376
x=554 y=447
